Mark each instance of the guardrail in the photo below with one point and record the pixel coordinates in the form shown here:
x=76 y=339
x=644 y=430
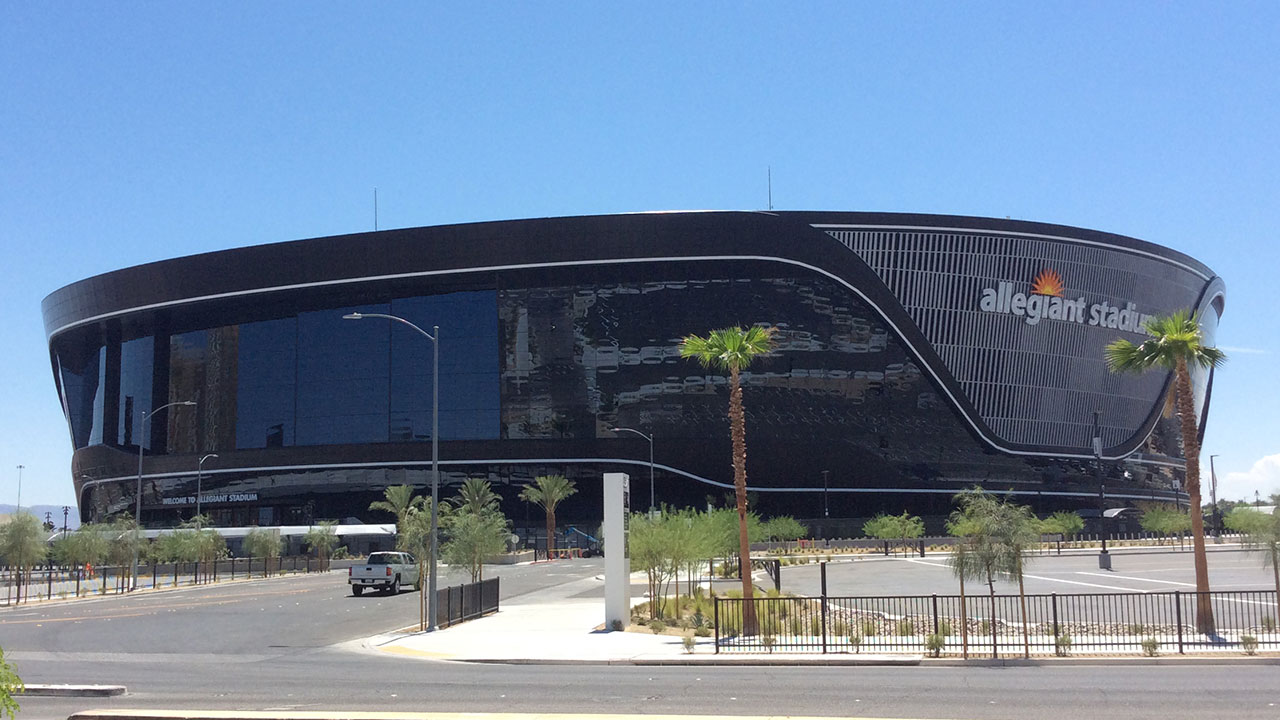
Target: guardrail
x=1109 y=623
x=466 y=602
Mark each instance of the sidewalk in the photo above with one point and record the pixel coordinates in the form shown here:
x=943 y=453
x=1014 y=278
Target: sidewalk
x=557 y=626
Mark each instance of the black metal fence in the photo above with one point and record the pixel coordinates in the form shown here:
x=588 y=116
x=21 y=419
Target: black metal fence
x=464 y=602
x=998 y=626
x=46 y=582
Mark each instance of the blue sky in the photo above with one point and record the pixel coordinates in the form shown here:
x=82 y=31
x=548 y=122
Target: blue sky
x=134 y=132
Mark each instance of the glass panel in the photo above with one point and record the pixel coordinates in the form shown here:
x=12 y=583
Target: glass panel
x=468 y=367
x=82 y=394
x=266 y=369
x=136 y=360
x=343 y=377
x=203 y=368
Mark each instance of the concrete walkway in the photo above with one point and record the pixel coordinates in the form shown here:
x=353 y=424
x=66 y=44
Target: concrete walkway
x=558 y=625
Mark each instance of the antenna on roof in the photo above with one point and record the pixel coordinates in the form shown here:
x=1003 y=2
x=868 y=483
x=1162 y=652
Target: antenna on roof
x=770 y=187
x=375 y=209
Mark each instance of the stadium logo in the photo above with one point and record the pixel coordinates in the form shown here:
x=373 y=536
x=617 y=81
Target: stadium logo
x=1045 y=301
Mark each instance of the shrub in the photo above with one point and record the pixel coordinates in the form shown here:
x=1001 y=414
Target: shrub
x=944 y=627
x=868 y=627
x=1135 y=629
x=617 y=626
x=815 y=625
x=984 y=627
x=856 y=642
x=1249 y=644
x=840 y=628
x=906 y=627
x=934 y=644
x=796 y=626
x=689 y=643
x=1150 y=647
x=767 y=641
x=1062 y=645
x=657 y=626
x=1268 y=623
x=702 y=631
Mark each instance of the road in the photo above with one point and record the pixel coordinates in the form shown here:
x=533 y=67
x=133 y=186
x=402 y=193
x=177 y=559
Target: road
x=293 y=643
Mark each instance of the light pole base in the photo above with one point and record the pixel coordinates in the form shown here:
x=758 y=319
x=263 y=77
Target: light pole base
x=1104 y=560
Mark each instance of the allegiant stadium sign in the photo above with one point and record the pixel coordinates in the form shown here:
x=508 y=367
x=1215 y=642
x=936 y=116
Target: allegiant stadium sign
x=1045 y=302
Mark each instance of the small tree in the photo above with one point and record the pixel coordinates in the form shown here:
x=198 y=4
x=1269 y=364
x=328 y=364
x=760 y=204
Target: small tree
x=894 y=527
x=1262 y=531
x=1064 y=523
x=784 y=528
x=264 y=543
x=23 y=545
x=10 y=685
x=473 y=537
x=87 y=545
x=321 y=538
x=996 y=537
x=548 y=491
x=415 y=539
x=1164 y=520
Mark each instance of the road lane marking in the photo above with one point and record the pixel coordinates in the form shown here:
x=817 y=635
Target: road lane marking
x=1047 y=579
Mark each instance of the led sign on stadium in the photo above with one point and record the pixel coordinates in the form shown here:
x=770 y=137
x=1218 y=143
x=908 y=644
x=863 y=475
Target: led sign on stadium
x=1045 y=302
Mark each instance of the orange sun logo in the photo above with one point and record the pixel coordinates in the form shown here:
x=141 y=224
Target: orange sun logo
x=1048 y=282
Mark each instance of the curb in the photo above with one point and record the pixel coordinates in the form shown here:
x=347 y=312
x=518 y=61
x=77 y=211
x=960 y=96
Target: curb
x=710 y=661
x=73 y=690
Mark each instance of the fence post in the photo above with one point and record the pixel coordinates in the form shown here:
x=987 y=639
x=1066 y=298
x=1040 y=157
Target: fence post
x=79 y=573
x=49 y=593
x=936 y=630
x=922 y=548
x=1056 y=634
x=822 y=567
x=1177 y=599
x=716 y=606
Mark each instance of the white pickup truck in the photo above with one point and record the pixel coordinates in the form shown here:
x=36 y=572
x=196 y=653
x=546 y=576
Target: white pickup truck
x=385 y=571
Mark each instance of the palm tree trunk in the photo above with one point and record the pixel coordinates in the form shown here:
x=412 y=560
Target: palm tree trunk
x=1191 y=451
x=1022 y=596
x=738 y=430
x=551 y=532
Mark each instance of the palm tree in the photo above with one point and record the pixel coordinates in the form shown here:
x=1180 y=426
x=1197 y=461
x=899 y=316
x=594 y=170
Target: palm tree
x=732 y=350
x=1175 y=344
x=400 y=501
x=477 y=496
x=548 y=491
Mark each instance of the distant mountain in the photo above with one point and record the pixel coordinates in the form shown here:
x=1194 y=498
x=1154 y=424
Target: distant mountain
x=55 y=514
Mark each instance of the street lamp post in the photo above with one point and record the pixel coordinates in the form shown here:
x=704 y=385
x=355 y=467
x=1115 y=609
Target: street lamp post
x=826 y=510
x=15 y=512
x=434 y=337
x=1213 y=498
x=648 y=437
x=137 y=512
x=200 y=481
x=65 y=510
x=1104 y=558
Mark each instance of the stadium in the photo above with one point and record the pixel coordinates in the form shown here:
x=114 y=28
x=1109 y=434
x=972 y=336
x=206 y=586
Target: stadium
x=917 y=355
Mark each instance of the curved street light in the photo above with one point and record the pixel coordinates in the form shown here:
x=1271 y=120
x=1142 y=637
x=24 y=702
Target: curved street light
x=137 y=513
x=199 y=482
x=648 y=437
x=435 y=451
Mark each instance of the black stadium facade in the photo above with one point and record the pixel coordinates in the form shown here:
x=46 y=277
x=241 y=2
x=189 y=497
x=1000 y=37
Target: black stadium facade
x=917 y=355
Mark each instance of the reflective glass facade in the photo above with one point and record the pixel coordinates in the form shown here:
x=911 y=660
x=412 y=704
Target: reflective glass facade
x=313 y=415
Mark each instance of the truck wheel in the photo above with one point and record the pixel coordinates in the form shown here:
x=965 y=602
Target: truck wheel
x=356 y=590
x=395 y=586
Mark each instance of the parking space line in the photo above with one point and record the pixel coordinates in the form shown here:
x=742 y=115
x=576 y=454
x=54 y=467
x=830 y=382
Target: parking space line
x=1130 y=577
